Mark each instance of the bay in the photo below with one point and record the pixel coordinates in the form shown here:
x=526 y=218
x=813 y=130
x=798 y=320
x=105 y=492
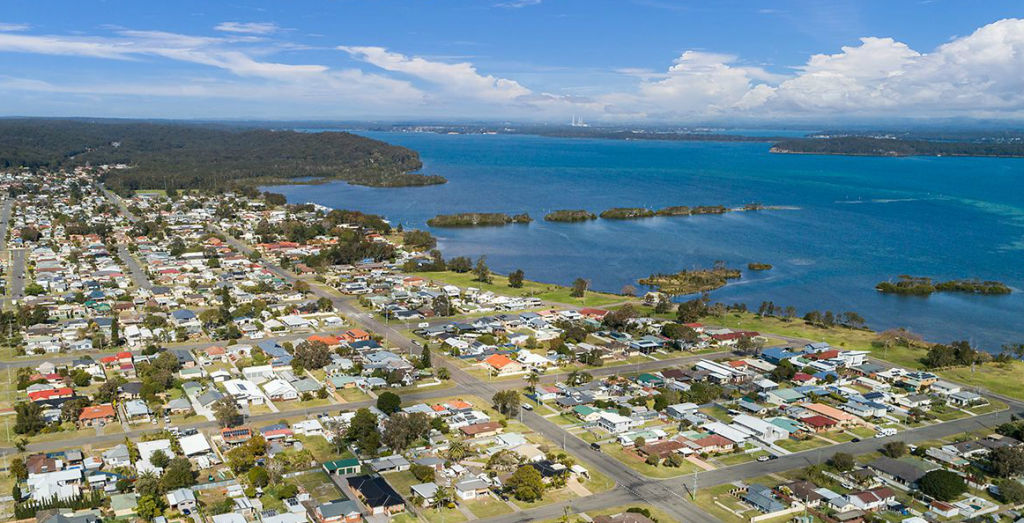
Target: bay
x=859 y=220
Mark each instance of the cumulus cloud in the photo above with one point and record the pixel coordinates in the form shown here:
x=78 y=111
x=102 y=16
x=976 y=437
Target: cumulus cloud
x=255 y=28
x=461 y=78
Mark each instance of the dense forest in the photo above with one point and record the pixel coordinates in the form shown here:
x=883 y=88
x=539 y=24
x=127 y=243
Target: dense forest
x=477 y=219
x=186 y=156
x=871 y=146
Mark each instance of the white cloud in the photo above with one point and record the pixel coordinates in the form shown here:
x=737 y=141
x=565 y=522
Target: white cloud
x=460 y=78
x=255 y=28
x=516 y=4
x=7 y=27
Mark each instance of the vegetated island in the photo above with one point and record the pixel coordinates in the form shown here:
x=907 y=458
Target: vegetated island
x=691 y=282
x=477 y=219
x=149 y=155
x=633 y=213
x=755 y=266
x=570 y=215
x=876 y=146
x=922 y=286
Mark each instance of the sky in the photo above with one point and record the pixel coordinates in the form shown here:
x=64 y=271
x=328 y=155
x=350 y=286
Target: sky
x=642 y=61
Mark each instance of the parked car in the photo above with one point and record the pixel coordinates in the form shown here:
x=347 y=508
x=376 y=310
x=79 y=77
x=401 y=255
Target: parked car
x=763 y=458
x=527 y=406
x=595 y=446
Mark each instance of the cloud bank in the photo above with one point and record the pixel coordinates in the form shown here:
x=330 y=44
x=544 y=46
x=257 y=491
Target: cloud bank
x=977 y=75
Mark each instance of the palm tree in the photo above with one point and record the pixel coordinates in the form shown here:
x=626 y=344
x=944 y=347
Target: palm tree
x=457 y=451
x=443 y=496
x=533 y=379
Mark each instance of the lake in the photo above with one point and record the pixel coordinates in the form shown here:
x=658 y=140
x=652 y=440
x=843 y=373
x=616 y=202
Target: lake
x=860 y=220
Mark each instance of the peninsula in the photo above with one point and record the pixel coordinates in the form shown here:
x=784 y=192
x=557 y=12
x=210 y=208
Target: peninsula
x=477 y=219
x=884 y=146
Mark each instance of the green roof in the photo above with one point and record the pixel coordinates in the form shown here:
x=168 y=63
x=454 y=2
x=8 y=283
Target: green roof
x=332 y=466
x=119 y=502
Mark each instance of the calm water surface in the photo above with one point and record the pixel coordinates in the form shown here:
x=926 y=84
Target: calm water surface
x=859 y=221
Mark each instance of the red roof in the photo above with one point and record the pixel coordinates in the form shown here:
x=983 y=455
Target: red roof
x=97 y=412
x=50 y=393
x=802 y=376
x=818 y=421
x=714 y=440
x=498 y=361
x=123 y=355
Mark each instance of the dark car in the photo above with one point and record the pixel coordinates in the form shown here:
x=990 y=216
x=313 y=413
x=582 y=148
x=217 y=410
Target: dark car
x=855 y=440
x=595 y=446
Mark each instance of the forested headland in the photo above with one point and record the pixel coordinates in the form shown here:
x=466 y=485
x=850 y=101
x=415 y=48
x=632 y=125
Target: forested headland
x=875 y=146
x=161 y=155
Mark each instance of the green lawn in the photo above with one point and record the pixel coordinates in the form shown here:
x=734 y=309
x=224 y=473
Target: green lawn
x=739 y=457
x=353 y=395
x=656 y=513
x=487 y=507
x=544 y=291
x=706 y=498
x=632 y=461
x=319 y=486
x=793 y=445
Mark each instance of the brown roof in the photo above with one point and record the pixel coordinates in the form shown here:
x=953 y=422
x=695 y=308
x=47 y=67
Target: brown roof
x=480 y=428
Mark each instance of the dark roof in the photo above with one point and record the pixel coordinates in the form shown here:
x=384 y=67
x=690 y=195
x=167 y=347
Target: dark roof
x=547 y=469
x=899 y=469
x=375 y=491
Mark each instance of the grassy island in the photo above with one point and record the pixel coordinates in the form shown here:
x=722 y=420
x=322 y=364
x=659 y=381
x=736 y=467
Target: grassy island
x=570 y=215
x=921 y=286
x=627 y=213
x=691 y=282
x=477 y=219
x=682 y=210
x=759 y=266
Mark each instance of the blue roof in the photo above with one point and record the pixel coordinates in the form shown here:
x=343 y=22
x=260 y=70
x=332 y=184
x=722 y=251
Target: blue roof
x=183 y=314
x=776 y=354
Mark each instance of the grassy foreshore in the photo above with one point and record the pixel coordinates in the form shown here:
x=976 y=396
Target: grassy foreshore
x=544 y=291
x=1001 y=378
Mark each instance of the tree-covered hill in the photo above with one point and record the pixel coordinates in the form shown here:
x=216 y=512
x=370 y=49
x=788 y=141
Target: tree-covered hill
x=183 y=156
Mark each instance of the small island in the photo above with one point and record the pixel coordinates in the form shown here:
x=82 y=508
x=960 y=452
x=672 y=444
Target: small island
x=477 y=219
x=893 y=146
x=691 y=282
x=627 y=213
x=570 y=215
x=922 y=286
x=753 y=266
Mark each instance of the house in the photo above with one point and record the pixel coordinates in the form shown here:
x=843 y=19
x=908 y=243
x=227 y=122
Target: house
x=137 y=410
x=762 y=498
x=843 y=419
x=760 y=428
x=966 y=398
x=97 y=415
x=124 y=505
x=471 y=488
x=346 y=511
x=183 y=500
x=502 y=365
x=872 y=500
x=425 y=491
x=490 y=428
x=904 y=471
x=194 y=445
x=376 y=494
x=614 y=422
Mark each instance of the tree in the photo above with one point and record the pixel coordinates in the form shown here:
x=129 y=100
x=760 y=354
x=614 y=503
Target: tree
x=619 y=319
x=1011 y=491
x=507 y=402
x=942 y=485
x=691 y=311
x=422 y=472
x=894 y=449
x=579 y=288
x=178 y=474
x=18 y=470
x=504 y=461
x=225 y=411
x=148 y=508
x=577 y=378
x=841 y=461
x=897 y=337
x=784 y=371
x=1007 y=461
x=939 y=356
x=363 y=430
x=258 y=477
x=442 y=305
x=482 y=272
x=401 y=429
x=425 y=362
x=159 y=459
x=460 y=264
x=28 y=418
x=389 y=402
x=311 y=355
x=532 y=379
x=526 y=484
x=628 y=290
x=457 y=451
x=515 y=279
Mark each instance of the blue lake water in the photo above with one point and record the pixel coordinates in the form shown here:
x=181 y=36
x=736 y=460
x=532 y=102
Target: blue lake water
x=860 y=220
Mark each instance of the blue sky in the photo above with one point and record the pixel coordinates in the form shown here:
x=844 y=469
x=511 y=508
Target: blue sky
x=625 y=60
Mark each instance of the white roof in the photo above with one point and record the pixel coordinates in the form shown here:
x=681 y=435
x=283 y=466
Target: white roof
x=725 y=431
x=614 y=417
x=194 y=444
